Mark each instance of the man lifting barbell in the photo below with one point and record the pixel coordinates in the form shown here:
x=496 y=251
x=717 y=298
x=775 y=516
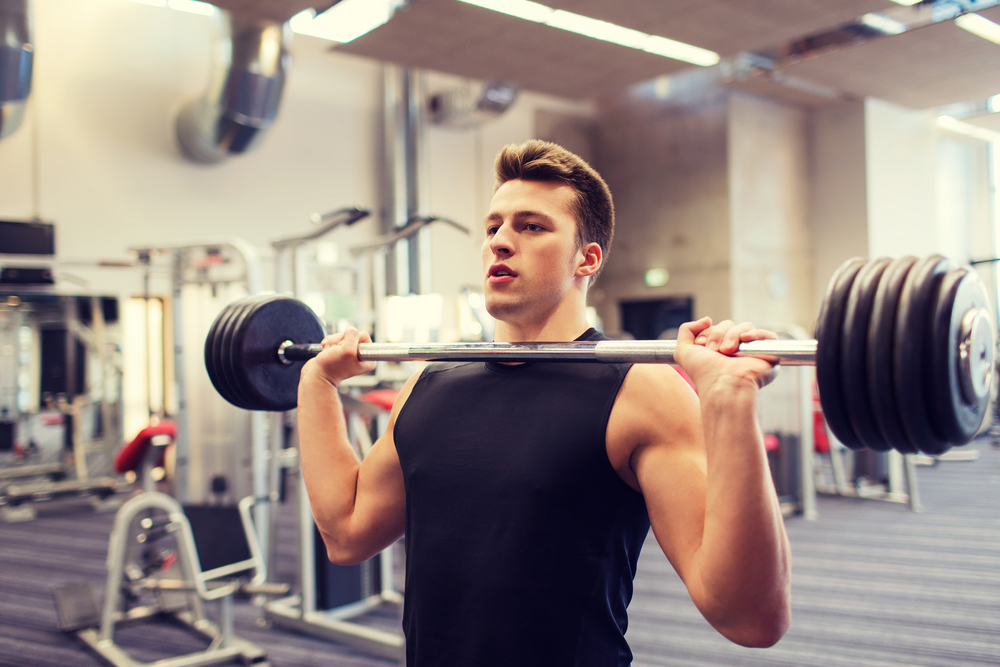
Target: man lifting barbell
x=525 y=491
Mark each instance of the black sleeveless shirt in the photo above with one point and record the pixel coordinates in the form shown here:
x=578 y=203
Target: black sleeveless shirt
x=521 y=539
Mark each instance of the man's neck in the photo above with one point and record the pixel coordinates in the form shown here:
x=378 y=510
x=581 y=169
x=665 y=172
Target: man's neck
x=557 y=327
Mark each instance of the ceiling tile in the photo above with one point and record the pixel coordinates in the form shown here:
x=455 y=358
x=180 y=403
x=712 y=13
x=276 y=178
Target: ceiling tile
x=453 y=37
x=931 y=66
x=727 y=26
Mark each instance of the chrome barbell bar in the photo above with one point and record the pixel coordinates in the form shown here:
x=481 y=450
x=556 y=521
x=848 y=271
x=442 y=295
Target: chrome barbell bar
x=790 y=352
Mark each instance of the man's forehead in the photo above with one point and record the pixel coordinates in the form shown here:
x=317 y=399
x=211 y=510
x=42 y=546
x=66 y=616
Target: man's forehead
x=523 y=198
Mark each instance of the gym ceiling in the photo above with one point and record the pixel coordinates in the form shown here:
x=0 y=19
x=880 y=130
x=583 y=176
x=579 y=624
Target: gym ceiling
x=928 y=66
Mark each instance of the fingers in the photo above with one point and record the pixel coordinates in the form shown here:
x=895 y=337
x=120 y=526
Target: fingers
x=350 y=336
x=339 y=358
x=714 y=337
x=724 y=337
x=689 y=332
x=332 y=339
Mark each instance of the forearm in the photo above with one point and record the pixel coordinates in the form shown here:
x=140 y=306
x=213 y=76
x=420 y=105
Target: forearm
x=744 y=560
x=330 y=465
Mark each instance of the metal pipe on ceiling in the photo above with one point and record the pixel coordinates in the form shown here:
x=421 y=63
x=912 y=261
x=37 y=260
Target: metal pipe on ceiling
x=244 y=94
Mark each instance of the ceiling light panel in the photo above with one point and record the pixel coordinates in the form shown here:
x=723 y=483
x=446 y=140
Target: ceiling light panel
x=345 y=21
x=472 y=42
x=979 y=26
x=883 y=24
x=727 y=26
x=522 y=9
x=598 y=29
x=922 y=68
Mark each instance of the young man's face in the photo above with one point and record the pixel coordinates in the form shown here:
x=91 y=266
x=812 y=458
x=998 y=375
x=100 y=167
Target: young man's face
x=530 y=256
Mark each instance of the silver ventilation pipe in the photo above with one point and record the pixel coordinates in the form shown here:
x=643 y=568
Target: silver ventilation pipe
x=16 y=58
x=244 y=93
x=471 y=105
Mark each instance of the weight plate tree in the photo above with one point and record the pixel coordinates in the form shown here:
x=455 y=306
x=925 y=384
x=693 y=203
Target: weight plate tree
x=904 y=353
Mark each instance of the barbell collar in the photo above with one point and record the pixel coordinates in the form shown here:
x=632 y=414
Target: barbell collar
x=785 y=352
x=975 y=355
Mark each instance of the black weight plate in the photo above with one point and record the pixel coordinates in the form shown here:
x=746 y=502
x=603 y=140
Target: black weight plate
x=227 y=355
x=955 y=418
x=236 y=343
x=217 y=357
x=210 y=361
x=881 y=329
x=911 y=357
x=854 y=352
x=829 y=327
x=231 y=360
x=272 y=384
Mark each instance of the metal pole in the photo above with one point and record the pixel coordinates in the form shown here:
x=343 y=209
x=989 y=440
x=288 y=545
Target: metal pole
x=807 y=444
x=786 y=352
x=182 y=445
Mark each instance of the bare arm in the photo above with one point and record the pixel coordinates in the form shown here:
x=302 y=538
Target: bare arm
x=702 y=468
x=359 y=506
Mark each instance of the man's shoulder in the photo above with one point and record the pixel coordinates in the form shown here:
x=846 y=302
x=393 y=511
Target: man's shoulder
x=650 y=390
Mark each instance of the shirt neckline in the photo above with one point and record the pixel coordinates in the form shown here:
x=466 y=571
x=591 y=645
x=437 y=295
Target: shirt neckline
x=497 y=367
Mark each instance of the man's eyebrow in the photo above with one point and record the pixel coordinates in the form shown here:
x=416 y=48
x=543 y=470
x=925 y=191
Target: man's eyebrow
x=519 y=214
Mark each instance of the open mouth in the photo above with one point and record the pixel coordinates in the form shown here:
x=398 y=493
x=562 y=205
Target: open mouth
x=499 y=274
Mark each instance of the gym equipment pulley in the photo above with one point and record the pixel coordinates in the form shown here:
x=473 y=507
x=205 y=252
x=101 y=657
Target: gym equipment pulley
x=904 y=353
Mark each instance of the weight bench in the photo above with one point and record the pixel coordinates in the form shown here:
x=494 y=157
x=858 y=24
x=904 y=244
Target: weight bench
x=136 y=593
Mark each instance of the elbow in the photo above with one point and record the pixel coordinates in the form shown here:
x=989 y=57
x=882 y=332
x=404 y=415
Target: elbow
x=348 y=551
x=763 y=634
x=763 y=630
x=339 y=556
x=339 y=551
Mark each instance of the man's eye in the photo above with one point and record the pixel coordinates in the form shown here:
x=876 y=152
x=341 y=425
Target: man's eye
x=532 y=227
x=490 y=231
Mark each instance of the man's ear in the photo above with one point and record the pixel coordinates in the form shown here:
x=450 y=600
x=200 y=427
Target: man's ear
x=591 y=258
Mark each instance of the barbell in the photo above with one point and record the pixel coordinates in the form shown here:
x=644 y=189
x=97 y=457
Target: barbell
x=904 y=353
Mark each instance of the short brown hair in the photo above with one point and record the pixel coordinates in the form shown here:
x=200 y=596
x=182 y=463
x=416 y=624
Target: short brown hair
x=537 y=160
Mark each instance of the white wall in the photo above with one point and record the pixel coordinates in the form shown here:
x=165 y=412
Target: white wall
x=768 y=203
x=838 y=193
x=901 y=170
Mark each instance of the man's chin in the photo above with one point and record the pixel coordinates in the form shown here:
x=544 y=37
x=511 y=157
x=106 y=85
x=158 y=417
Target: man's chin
x=500 y=308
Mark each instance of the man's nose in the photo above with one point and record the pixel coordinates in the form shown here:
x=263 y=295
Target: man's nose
x=502 y=243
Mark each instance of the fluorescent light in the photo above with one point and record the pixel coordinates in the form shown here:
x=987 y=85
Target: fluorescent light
x=522 y=9
x=883 y=24
x=597 y=29
x=906 y=3
x=588 y=27
x=345 y=21
x=968 y=129
x=979 y=25
x=993 y=104
x=192 y=7
x=154 y=3
x=663 y=46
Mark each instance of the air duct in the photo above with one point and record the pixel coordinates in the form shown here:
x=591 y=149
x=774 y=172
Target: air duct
x=471 y=105
x=16 y=57
x=244 y=93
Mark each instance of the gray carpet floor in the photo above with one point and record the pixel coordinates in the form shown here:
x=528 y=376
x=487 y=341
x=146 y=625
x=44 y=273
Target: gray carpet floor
x=874 y=584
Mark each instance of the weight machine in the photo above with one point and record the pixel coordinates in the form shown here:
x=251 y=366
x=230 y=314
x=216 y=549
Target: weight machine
x=60 y=399
x=147 y=582
x=330 y=598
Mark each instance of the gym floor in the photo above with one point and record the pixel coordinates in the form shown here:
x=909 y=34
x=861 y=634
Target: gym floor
x=873 y=585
